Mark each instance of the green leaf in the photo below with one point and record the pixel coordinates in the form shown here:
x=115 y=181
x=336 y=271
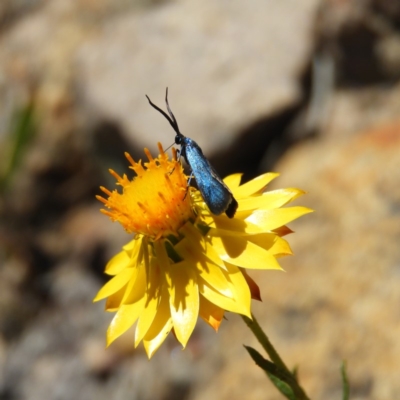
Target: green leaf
x=283 y=387
x=345 y=381
x=278 y=377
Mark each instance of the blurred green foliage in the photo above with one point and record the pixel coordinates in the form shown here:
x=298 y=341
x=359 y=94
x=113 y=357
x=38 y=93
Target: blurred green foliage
x=21 y=131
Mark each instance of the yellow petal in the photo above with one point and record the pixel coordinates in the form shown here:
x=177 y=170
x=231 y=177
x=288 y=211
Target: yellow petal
x=233 y=181
x=130 y=246
x=133 y=303
x=221 y=301
x=277 y=247
x=146 y=319
x=272 y=219
x=114 y=284
x=192 y=235
x=211 y=313
x=254 y=186
x=161 y=255
x=238 y=282
x=136 y=286
x=161 y=326
x=196 y=247
x=114 y=301
x=118 y=263
x=184 y=301
x=135 y=250
x=152 y=344
x=125 y=317
x=152 y=302
x=210 y=273
x=231 y=225
x=194 y=256
x=245 y=254
x=270 y=200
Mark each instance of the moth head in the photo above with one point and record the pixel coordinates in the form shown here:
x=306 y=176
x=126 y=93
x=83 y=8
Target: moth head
x=178 y=139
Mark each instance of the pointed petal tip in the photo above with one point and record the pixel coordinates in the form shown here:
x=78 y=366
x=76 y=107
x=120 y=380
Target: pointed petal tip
x=246 y=313
x=149 y=351
x=249 y=315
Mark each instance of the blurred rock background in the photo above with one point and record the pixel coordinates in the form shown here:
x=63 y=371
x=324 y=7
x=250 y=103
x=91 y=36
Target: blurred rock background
x=309 y=88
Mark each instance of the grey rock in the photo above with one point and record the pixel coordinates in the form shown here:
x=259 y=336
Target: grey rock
x=226 y=64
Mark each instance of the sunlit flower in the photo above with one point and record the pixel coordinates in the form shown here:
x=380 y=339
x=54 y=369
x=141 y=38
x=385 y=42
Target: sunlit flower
x=183 y=261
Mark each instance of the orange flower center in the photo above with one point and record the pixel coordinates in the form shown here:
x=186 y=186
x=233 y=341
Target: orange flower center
x=155 y=203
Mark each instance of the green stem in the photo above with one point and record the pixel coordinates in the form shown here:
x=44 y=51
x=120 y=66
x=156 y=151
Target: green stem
x=273 y=354
x=265 y=343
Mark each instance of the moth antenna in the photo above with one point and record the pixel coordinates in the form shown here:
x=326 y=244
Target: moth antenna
x=171 y=113
x=172 y=122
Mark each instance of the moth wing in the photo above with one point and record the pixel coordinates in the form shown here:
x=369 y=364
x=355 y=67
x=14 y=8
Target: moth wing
x=215 y=193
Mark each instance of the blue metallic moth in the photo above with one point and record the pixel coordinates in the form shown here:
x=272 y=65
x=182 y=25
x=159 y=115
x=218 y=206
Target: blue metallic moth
x=215 y=193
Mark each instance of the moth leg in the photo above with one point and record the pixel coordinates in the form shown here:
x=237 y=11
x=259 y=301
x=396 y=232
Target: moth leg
x=179 y=154
x=188 y=185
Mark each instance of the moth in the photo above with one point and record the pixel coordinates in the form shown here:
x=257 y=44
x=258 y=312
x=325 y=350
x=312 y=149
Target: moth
x=216 y=194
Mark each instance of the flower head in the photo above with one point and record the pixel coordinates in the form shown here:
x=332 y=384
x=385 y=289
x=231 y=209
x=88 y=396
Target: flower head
x=185 y=262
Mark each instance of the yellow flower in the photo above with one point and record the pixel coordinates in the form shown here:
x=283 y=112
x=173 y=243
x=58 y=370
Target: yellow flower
x=185 y=262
